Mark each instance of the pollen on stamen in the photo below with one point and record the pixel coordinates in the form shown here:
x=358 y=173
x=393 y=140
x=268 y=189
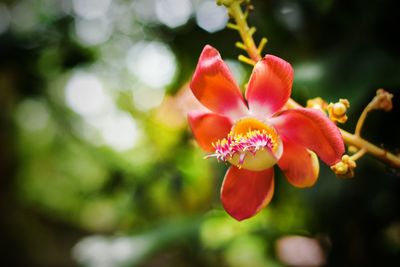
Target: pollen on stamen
x=239 y=144
x=257 y=140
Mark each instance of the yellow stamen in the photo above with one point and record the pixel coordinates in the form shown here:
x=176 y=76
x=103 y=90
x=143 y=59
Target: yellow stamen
x=250 y=127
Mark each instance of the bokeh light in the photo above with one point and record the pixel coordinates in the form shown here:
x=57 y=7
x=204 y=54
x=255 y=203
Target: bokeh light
x=86 y=95
x=4 y=18
x=211 y=17
x=101 y=251
x=145 y=10
x=148 y=98
x=290 y=14
x=153 y=63
x=23 y=17
x=300 y=251
x=93 y=31
x=118 y=130
x=173 y=13
x=91 y=9
x=308 y=71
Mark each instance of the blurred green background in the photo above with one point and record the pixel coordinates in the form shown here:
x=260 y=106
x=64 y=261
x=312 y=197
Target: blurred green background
x=98 y=166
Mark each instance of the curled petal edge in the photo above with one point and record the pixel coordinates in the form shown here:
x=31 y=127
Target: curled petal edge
x=312 y=129
x=214 y=86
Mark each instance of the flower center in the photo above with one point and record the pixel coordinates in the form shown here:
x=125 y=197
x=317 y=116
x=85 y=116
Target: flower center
x=251 y=144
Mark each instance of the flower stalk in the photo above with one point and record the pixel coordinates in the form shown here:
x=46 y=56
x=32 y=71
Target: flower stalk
x=381 y=101
x=246 y=32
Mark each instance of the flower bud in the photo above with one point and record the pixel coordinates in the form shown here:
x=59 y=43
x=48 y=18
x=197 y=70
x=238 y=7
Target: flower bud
x=337 y=111
x=345 y=167
x=382 y=100
x=317 y=103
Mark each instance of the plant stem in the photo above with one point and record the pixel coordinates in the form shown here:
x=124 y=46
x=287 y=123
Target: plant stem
x=382 y=154
x=361 y=120
x=359 y=154
x=350 y=139
x=244 y=31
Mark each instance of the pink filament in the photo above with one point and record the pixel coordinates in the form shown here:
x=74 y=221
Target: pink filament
x=256 y=140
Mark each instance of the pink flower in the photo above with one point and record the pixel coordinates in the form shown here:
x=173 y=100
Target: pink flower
x=255 y=134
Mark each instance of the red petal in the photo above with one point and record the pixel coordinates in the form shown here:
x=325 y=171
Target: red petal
x=312 y=129
x=300 y=165
x=208 y=128
x=270 y=85
x=244 y=192
x=214 y=86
